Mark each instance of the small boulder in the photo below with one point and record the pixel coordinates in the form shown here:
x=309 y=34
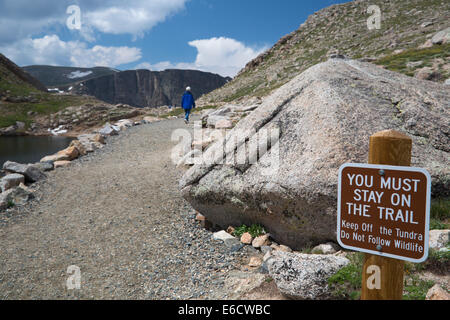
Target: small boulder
x=438 y=239
x=44 y=166
x=222 y=235
x=246 y=238
x=255 y=262
x=326 y=248
x=304 y=276
x=18 y=196
x=108 y=130
x=79 y=146
x=55 y=157
x=442 y=37
x=10 y=181
x=260 y=241
x=70 y=153
x=31 y=173
x=284 y=248
x=437 y=293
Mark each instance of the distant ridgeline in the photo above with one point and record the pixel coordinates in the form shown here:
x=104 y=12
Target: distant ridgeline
x=53 y=76
x=138 y=88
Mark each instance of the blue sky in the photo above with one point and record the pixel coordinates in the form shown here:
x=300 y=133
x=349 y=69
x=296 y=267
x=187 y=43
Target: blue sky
x=219 y=36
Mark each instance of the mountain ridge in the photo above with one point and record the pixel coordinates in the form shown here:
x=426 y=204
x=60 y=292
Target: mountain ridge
x=144 y=88
x=407 y=27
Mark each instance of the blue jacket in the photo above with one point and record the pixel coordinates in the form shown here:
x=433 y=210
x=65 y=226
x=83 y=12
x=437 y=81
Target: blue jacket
x=188 y=101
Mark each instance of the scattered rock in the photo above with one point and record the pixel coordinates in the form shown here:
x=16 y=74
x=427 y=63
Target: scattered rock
x=427 y=44
x=426 y=24
x=438 y=239
x=44 y=166
x=32 y=174
x=246 y=238
x=284 y=248
x=222 y=235
x=55 y=157
x=255 y=262
x=260 y=241
x=224 y=124
x=108 y=130
x=326 y=248
x=437 y=293
x=442 y=37
x=18 y=196
x=79 y=146
x=414 y=64
x=10 y=181
x=427 y=73
x=70 y=153
x=303 y=276
x=230 y=230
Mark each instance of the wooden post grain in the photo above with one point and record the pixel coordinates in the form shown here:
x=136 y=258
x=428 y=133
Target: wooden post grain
x=390 y=148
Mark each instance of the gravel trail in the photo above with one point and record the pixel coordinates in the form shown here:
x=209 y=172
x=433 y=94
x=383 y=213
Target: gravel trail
x=117 y=215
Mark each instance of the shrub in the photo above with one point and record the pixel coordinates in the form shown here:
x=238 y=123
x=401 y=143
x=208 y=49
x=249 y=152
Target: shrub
x=255 y=230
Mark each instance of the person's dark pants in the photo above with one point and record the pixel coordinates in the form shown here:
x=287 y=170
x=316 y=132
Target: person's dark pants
x=187 y=112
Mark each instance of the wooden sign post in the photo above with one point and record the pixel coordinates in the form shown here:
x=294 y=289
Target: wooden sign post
x=391 y=148
x=384 y=211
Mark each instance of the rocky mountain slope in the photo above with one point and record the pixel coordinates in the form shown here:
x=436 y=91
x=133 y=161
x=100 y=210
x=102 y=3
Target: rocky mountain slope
x=13 y=78
x=144 y=88
x=54 y=76
x=404 y=43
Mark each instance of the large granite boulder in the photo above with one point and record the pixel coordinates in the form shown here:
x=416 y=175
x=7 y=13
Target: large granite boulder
x=325 y=117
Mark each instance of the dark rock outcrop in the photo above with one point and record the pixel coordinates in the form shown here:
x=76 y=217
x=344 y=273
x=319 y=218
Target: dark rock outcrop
x=144 y=88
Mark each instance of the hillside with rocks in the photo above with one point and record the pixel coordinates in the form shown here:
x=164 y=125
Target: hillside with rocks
x=145 y=88
x=26 y=108
x=13 y=77
x=413 y=39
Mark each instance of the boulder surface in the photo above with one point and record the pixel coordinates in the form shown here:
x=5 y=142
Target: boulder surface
x=325 y=117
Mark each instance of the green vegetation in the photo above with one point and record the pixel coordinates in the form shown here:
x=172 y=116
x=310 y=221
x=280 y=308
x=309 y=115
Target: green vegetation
x=10 y=204
x=255 y=230
x=45 y=104
x=346 y=283
x=398 y=62
x=416 y=289
x=440 y=209
x=244 y=91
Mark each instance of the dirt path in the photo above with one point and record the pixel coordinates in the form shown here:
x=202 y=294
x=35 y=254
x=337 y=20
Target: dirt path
x=118 y=216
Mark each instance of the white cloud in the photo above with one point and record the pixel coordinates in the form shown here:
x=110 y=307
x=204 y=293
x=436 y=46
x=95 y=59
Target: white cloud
x=131 y=17
x=224 y=56
x=21 y=19
x=53 y=51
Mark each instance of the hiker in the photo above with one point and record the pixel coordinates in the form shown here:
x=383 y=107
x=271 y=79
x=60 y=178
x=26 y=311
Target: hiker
x=187 y=103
